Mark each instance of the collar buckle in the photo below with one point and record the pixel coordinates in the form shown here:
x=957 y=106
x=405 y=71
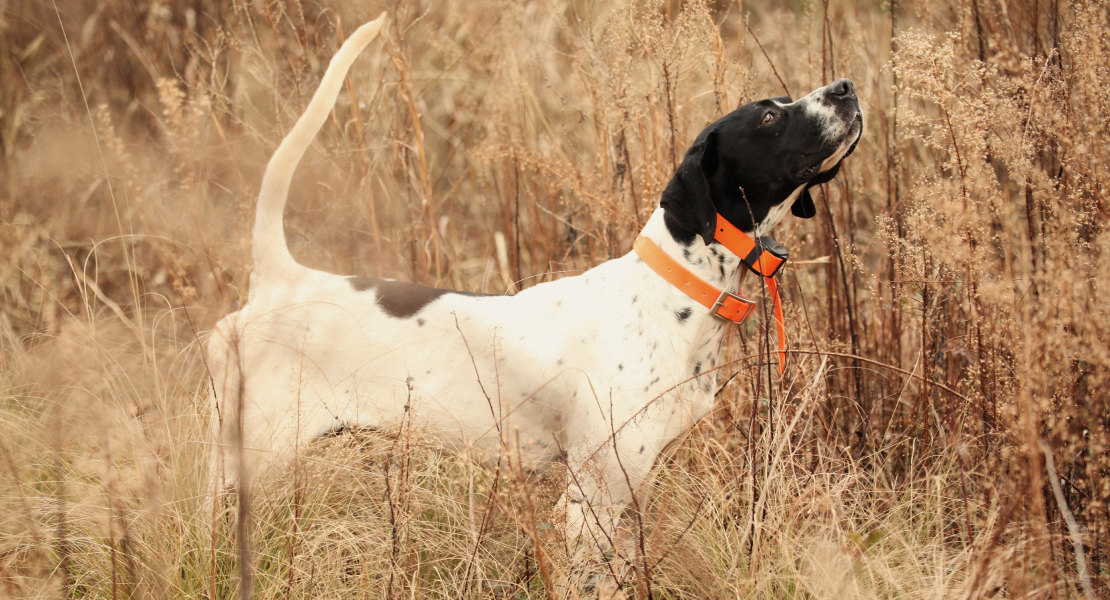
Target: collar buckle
x=735 y=311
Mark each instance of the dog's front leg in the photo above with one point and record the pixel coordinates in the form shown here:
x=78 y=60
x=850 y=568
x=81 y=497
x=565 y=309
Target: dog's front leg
x=602 y=479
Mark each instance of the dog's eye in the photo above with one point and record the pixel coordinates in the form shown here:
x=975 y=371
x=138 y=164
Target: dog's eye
x=767 y=118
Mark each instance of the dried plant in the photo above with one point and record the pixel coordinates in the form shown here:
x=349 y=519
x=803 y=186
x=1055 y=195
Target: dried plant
x=942 y=428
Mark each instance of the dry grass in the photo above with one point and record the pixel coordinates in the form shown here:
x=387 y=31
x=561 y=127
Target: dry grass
x=967 y=274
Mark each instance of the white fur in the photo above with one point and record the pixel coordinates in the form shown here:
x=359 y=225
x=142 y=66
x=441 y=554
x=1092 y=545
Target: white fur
x=776 y=214
x=837 y=156
x=832 y=126
x=320 y=355
x=598 y=369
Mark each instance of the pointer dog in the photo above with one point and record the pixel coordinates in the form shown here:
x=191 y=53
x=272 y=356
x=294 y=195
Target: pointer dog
x=600 y=370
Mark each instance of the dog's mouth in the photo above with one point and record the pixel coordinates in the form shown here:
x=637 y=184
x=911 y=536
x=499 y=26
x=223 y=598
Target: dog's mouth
x=845 y=148
x=856 y=130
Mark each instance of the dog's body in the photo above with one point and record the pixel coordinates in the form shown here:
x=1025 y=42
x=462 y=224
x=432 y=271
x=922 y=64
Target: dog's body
x=602 y=370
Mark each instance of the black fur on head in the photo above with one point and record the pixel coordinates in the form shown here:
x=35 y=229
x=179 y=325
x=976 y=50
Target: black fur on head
x=757 y=157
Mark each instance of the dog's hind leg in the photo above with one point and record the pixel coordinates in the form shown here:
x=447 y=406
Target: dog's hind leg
x=225 y=378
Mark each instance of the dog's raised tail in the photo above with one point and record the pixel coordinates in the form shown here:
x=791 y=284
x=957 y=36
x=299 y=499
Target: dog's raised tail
x=270 y=251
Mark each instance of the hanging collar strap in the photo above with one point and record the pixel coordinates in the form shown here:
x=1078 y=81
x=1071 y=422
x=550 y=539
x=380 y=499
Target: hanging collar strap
x=764 y=257
x=722 y=303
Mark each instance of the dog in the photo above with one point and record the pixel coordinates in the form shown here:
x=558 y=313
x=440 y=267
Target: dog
x=600 y=371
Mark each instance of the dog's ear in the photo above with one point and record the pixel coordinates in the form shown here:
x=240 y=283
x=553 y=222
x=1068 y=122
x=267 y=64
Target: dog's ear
x=686 y=197
x=803 y=207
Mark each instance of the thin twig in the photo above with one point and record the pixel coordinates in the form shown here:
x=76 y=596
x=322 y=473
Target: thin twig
x=531 y=529
x=885 y=366
x=36 y=537
x=245 y=575
x=678 y=538
x=1069 y=518
x=487 y=519
x=635 y=505
x=769 y=61
x=478 y=377
x=848 y=302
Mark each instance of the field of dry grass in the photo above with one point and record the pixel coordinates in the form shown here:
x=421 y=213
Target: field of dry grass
x=942 y=428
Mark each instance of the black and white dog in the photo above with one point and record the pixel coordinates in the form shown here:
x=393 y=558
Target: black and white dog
x=602 y=370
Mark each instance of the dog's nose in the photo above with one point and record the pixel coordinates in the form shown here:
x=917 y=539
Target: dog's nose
x=842 y=88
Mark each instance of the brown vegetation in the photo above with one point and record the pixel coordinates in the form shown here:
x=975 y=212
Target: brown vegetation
x=942 y=429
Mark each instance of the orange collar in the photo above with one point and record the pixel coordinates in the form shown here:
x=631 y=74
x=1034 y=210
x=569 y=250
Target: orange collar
x=722 y=303
x=764 y=258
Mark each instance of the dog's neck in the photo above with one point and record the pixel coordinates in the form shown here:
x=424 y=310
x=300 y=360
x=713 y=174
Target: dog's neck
x=695 y=335
x=714 y=263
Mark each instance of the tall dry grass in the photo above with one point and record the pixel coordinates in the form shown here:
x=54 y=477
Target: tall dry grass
x=942 y=427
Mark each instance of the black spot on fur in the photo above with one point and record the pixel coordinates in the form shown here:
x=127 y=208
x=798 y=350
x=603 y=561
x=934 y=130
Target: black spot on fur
x=561 y=361
x=400 y=299
x=420 y=322
x=697 y=368
x=642 y=449
x=620 y=367
x=683 y=314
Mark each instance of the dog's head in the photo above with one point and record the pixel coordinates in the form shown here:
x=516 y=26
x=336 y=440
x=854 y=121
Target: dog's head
x=753 y=163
